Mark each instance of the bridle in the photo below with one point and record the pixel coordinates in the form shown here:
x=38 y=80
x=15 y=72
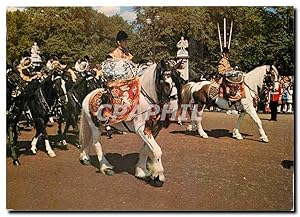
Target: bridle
x=60 y=95
x=270 y=77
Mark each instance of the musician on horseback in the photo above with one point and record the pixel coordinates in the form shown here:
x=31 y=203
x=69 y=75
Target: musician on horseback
x=224 y=65
x=82 y=65
x=25 y=71
x=121 y=52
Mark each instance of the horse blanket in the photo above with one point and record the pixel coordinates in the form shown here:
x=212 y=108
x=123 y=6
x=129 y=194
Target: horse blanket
x=122 y=95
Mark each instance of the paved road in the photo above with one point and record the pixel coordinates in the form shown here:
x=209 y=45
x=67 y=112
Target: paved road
x=218 y=173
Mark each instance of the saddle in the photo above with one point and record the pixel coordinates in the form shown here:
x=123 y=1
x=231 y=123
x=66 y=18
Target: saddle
x=118 y=69
x=231 y=86
x=234 y=77
x=234 y=85
x=122 y=95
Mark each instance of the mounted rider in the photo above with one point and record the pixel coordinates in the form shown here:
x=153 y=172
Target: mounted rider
x=230 y=82
x=53 y=63
x=118 y=64
x=223 y=68
x=224 y=65
x=82 y=65
x=122 y=85
x=23 y=74
x=121 y=52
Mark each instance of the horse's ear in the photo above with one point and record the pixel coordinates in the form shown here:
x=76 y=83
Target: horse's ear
x=163 y=64
x=178 y=64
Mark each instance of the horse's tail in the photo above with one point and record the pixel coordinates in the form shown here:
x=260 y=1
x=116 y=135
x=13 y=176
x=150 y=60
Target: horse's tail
x=186 y=95
x=85 y=133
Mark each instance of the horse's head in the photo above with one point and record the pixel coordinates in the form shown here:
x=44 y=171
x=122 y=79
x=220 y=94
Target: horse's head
x=271 y=77
x=163 y=81
x=59 y=85
x=91 y=82
x=175 y=75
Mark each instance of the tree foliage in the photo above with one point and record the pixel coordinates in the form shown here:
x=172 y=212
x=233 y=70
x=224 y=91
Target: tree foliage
x=261 y=35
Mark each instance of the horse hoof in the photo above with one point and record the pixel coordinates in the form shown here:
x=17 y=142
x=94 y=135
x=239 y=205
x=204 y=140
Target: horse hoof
x=204 y=136
x=189 y=129
x=266 y=140
x=109 y=172
x=33 y=151
x=238 y=137
x=51 y=154
x=156 y=182
x=85 y=162
x=63 y=146
x=145 y=179
x=16 y=163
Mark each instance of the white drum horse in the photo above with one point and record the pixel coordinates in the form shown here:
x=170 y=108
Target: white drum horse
x=155 y=88
x=199 y=94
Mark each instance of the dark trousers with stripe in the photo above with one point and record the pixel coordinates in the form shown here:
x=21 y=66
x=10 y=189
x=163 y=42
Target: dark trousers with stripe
x=273 y=107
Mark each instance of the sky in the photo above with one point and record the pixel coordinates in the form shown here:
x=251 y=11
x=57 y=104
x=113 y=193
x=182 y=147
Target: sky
x=124 y=11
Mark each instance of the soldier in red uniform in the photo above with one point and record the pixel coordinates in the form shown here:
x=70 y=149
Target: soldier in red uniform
x=275 y=97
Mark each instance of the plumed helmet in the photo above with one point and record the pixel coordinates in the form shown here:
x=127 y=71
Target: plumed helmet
x=121 y=36
x=53 y=57
x=225 y=50
x=25 y=62
x=81 y=65
x=86 y=57
x=25 y=54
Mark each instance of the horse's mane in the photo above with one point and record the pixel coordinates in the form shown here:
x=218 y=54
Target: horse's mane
x=179 y=82
x=255 y=77
x=148 y=81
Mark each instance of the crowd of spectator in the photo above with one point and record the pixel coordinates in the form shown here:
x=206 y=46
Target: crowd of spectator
x=287 y=102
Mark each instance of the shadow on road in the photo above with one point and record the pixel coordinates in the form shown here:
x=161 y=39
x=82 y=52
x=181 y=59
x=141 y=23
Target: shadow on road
x=216 y=133
x=121 y=163
x=23 y=147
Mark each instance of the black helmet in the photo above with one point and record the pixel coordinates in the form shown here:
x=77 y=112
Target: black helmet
x=25 y=54
x=86 y=57
x=53 y=57
x=225 y=50
x=121 y=36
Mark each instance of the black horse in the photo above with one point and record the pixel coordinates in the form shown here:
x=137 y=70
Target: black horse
x=18 y=92
x=71 y=110
x=50 y=92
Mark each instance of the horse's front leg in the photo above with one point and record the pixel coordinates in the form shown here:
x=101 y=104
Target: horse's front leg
x=34 y=142
x=141 y=166
x=12 y=143
x=236 y=134
x=193 y=125
x=153 y=150
x=62 y=135
x=48 y=147
x=198 y=119
x=251 y=111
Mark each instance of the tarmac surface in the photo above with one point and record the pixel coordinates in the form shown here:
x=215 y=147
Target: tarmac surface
x=215 y=174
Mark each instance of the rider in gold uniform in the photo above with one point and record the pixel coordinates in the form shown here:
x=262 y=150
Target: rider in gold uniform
x=121 y=52
x=223 y=67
